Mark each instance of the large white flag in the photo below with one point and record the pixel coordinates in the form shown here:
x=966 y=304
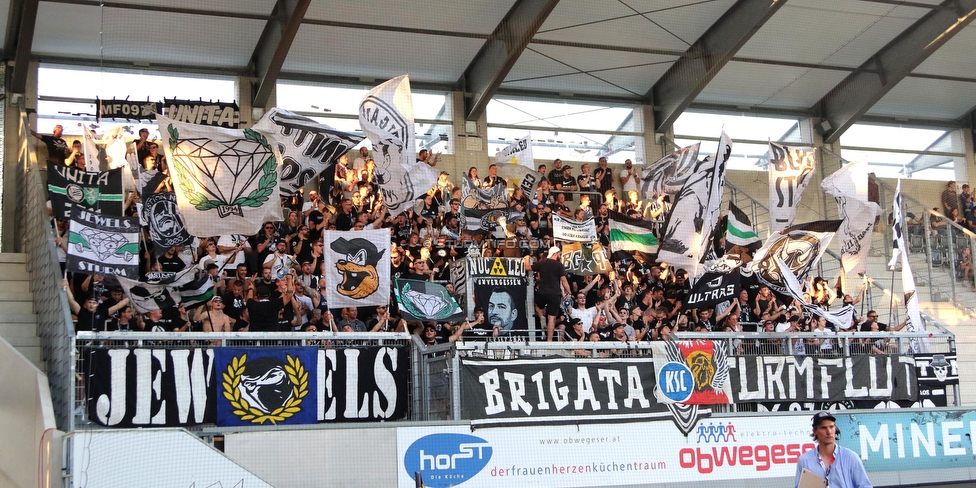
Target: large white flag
x=848 y=186
x=386 y=116
x=696 y=210
x=518 y=152
x=226 y=180
x=841 y=318
x=357 y=270
x=105 y=152
x=915 y=322
x=307 y=147
x=668 y=174
x=789 y=173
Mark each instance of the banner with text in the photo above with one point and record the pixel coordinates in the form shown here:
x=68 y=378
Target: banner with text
x=173 y=387
x=564 y=229
x=529 y=391
x=814 y=379
x=103 y=244
x=585 y=259
x=720 y=449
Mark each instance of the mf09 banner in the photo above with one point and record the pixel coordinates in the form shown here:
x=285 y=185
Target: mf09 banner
x=246 y=386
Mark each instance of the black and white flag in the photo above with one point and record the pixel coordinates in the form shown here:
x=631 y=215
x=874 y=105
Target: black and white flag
x=167 y=291
x=566 y=229
x=165 y=223
x=483 y=208
x=800 y=247
x=103 y=244
x=518 y=152
x=386 y=116
x=696 y=209
x=789 y=172
x=668 y=174
x=915 y=322
x=100 y=192
x=714 y=288
x=848 y=186
x=104 y=152
x=307 y=147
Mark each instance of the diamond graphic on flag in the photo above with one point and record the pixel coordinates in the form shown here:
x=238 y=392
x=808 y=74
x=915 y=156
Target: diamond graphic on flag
x=104 y=244
x=427 y=304
x=202 y=162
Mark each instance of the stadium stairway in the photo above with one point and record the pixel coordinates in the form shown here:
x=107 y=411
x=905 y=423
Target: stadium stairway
x=18 y=323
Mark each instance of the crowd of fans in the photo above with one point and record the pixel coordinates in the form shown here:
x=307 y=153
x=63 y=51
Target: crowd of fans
x=273 y=280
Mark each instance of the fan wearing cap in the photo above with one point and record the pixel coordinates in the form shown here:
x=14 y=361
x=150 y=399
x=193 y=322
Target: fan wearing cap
x=840 y=466
x=553 y=285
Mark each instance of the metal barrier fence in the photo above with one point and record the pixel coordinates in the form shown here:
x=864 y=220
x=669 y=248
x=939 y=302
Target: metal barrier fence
x=54 y=325
x=444 y=394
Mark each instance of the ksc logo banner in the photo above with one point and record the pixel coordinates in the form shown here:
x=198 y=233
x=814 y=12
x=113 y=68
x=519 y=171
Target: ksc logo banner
x=695 y=373
x=266 y=386
x=447 y=459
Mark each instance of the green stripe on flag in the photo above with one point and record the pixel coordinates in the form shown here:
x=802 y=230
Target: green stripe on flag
x=741 y=234
x=627 y=241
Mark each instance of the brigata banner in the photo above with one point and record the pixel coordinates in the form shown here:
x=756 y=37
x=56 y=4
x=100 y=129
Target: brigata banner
x=720 y=449
x=529 y=391
x=254 y=386
x=813 y=379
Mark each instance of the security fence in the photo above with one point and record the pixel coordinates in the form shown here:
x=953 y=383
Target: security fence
x=443 y=392
x=54 y=325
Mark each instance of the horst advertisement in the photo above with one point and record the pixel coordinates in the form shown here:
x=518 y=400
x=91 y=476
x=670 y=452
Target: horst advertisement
x=258 y=386
x=603 y=455
x=719 y=449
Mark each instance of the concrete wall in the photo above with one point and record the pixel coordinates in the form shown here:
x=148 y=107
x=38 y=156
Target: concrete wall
x=30 y=441
x=354 y=457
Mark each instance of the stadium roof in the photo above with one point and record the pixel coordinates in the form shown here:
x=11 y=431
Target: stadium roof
x=907 y=62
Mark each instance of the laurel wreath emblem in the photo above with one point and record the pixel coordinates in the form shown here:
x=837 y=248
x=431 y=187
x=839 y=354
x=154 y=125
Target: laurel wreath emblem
x=257 y=197
x=296 y=374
